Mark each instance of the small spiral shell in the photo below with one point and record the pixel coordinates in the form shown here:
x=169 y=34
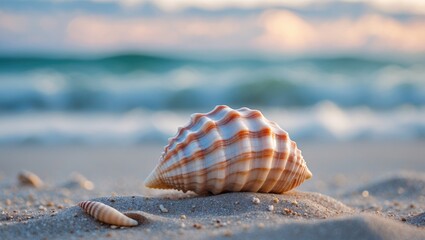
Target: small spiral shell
x=28 y=178
x=107 y=214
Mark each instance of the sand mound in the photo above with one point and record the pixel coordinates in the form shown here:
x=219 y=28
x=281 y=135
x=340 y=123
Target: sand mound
x=363 y=226
x=398 y=197
x=213 y=213
x=294 y=215
x=400 y=186
x=315 y=205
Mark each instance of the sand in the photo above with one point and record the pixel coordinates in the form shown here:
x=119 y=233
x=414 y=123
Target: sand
x=356 y=202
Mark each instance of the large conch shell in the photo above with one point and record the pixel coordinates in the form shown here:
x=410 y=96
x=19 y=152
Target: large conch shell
x=229 y=150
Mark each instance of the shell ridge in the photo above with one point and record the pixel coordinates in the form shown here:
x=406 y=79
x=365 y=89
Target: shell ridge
x=288 y=170
x=299 y=179
x=173 y=178
x=201 y=179
x=255 y=181
x=175 y=146
x=291 y=172
x=278 y=170
x=293 y=178
x=277 y=159
x=194 y=120
x=264 y=187
x=182 y=141
x=250 y=120
x=215 y=145
x=264 y=160
x=239 y=158
x=235 y=138
x=181 y=182
x=248 y=168
x=218 y=159
x=215 y=148
x=298 y=168
x=284 y=161
x=194 y=162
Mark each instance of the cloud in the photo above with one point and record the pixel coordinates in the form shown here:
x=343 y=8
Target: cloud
x=12 y=23
x=278 y=31
x=285 y=31
x=288 y=32
x=193 y=32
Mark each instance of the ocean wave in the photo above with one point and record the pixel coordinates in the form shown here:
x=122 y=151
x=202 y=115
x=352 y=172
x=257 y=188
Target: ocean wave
x=123 y=83
x=322 y=122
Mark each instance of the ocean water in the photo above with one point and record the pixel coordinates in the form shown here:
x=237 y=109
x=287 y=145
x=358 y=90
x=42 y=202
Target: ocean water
x=131 y=99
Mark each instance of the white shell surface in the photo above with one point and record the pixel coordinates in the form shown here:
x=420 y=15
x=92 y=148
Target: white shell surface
x=229 y=150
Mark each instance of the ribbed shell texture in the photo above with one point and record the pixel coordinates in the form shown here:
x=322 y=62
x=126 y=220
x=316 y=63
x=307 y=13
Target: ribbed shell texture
x=229 y=150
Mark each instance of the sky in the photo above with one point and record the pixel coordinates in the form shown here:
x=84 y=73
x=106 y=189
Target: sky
x=215 y=27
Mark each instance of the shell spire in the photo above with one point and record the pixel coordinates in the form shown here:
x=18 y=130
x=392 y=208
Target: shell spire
x=155 y=181
x=229 y=150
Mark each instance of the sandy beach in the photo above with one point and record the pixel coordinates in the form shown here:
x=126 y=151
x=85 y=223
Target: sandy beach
x=91 y=92
x=360 y=190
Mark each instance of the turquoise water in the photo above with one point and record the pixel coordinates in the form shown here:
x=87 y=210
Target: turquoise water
x=135 y=98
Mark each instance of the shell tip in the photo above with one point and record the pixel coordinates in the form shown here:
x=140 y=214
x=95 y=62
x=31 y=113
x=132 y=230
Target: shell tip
x=81 y=204
x=308 y=174
x=152 y=181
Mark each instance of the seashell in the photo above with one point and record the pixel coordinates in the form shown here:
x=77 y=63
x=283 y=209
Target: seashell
x=107 y=214
x=29 y=179
x=79 y=181
x=229 y=150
